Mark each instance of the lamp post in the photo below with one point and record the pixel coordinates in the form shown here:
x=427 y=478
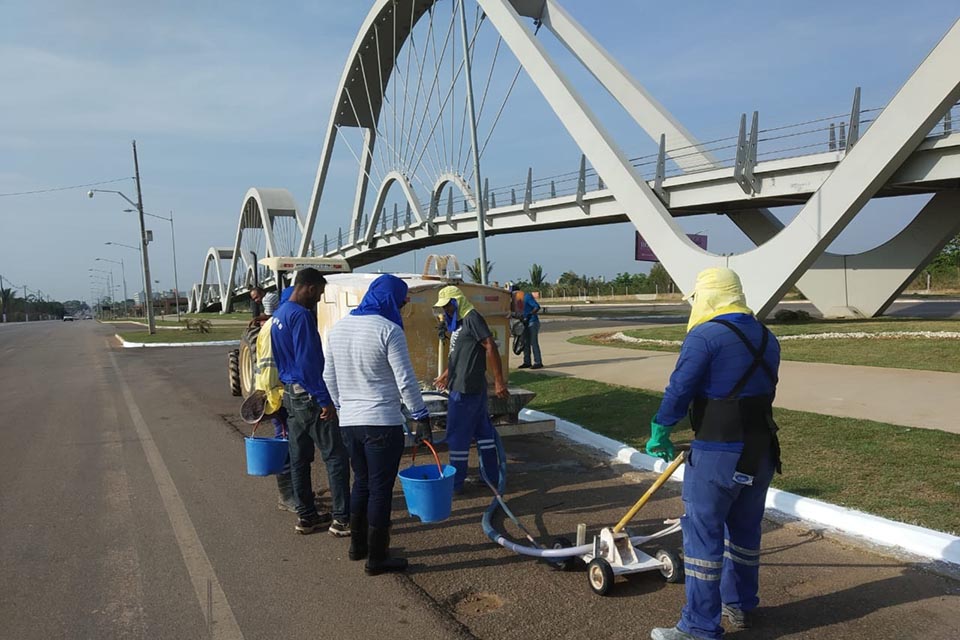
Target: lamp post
x=173 y=240
x=145 y=259
x=123 y=276
x=143 y=286
x=109 y=282
x=478 y=185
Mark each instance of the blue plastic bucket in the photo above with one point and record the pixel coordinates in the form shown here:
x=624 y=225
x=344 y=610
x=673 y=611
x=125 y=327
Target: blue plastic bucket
x=266 y=456
x=429 y=496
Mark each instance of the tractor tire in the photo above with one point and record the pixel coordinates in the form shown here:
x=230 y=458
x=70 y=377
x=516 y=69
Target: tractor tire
x=247 y=362
x=233 y=372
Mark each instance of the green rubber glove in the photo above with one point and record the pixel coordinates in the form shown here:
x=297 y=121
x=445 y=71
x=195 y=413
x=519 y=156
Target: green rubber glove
x=659 y=445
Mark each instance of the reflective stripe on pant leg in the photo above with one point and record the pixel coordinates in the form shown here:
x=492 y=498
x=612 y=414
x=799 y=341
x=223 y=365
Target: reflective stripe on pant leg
x=706 y=500
x=486 y=444
x=459 y=435
x=740 y=584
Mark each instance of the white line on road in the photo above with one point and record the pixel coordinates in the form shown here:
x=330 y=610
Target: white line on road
x=224 y=624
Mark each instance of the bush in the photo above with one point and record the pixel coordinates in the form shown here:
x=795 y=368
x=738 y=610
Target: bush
x=200 y=325
x=791 y=316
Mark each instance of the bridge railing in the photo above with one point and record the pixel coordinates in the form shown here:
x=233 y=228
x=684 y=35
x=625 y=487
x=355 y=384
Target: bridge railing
x=832 y=133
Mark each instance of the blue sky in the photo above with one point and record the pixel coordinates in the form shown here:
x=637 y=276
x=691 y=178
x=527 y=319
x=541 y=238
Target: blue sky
x=222 y=97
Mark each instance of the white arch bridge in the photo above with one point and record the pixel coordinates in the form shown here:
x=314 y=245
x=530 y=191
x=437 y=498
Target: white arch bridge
x=403 y=116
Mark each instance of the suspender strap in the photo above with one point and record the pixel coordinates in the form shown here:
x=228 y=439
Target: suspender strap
x=758 y=361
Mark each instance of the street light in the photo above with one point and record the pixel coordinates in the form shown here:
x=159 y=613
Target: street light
x=143 y=286
x=173 y=238
x=145 y=259
x=109 y=280
x=123 y=275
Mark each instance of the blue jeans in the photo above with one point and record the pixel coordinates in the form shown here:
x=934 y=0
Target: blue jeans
x=306 y=429
x=375 y=454
x=533 y=342
x=280 y=431
x=721 y=538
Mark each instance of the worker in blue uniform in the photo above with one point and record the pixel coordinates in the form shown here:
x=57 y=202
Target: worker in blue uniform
x=726 y=377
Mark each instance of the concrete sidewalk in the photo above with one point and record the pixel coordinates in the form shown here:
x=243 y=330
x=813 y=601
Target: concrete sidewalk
x=924 y=399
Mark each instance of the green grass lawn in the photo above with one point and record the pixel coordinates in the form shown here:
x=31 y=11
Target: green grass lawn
x=215 y=334
x=905 y=353
x=239 y=315
x=910 y=475
x=157 y=321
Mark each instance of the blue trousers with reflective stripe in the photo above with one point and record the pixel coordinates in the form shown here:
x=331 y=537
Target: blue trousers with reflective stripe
x=721 y=538
x=468 y=420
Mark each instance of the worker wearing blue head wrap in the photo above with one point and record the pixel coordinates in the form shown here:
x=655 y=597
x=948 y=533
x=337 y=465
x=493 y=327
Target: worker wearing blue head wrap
x=726 y=377
x=368 y=374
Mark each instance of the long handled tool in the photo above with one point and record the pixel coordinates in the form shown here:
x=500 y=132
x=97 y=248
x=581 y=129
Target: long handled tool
x=506 y=510
x=652 y=490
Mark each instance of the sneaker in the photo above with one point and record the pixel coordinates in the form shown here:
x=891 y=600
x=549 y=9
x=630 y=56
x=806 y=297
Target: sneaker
x=524 y=366
x=671 y=633
x=339 y=528
x=537 y=366
x=286 y=504
x=738 y=618
x=312 y=524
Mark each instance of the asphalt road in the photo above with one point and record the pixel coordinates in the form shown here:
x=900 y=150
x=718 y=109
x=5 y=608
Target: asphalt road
x=125 y=512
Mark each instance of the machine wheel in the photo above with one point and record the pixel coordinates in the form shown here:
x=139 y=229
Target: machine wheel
x=671 y=568
x=233 y=372
x=248 y=360
x=600 y=576
x=562 y=564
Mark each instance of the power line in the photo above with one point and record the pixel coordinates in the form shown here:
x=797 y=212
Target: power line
x=76 y=186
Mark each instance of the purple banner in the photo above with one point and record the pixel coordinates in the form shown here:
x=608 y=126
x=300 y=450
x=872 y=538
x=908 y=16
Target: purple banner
x=643 y=252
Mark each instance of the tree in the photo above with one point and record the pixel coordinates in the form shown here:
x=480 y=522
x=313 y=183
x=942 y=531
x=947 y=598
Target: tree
x=537 y=277
x=6 y=301
x=570 y=279
x=660 y=278
x=473 y=270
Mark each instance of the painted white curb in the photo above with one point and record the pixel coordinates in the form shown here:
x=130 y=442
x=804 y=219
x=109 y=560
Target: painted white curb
x=927 y=543
x=144 y=345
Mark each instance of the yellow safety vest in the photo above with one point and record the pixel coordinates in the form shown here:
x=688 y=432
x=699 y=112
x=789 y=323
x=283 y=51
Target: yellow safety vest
x=266 y=375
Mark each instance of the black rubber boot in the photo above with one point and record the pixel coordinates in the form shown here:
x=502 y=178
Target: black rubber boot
x=285 y=501
x=358 y=537
x=378 y=558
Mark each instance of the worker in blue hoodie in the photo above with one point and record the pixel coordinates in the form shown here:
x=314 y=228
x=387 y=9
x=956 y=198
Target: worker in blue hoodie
x=726 y=378
x=312 y=417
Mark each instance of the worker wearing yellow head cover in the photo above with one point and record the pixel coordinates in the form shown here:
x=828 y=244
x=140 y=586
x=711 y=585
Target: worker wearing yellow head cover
x=725 y=379
x=717 y=291
x=472 y=347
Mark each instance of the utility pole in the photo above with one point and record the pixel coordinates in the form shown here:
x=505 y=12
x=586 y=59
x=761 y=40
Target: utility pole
x=3 y=300
x=176 y=282
x=477 y=184
x=151 y=324
x=26 y=310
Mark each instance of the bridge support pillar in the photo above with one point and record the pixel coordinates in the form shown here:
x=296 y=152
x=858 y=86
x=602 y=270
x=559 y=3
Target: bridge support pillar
x=864 y=285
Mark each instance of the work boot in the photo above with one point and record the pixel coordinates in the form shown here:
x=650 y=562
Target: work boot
x=738 y=618
x=671 y=633
x=285 y=501
x=358 y=537
x=378 y=553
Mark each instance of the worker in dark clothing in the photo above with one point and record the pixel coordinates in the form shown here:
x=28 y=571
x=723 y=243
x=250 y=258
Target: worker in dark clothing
x=726 y=377
x=312 y=418
x=468 y=418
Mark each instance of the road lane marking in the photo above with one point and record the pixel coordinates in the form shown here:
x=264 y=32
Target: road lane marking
x=124 y=597
x=204 y=578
